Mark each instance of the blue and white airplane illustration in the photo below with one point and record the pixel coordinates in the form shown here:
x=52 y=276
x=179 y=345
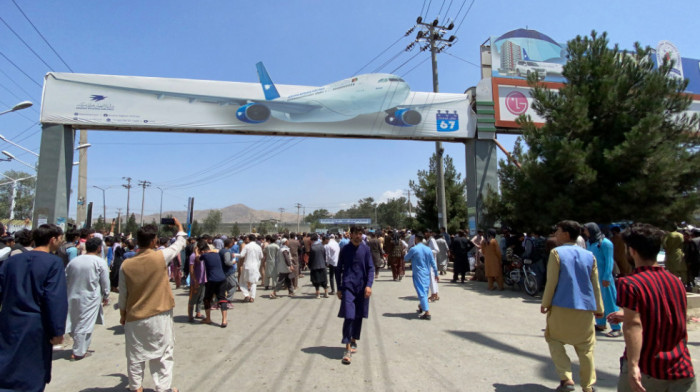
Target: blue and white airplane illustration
x=339 y=101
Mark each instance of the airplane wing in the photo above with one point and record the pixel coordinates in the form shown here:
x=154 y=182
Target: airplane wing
x=276 y=105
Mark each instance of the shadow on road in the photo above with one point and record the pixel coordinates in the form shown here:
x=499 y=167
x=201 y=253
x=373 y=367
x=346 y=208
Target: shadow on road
x=123 y=383
x=520 y=388
x=410 y=298
x=61 y=354
x=117 y=329
x=328 y=352
x=407 y=316
x=605 y=379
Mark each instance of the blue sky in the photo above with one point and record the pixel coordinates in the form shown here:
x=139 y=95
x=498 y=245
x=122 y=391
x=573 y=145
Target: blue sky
x=301 y=42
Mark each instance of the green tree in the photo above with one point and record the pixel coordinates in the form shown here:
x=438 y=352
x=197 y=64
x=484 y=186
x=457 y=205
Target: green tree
x=235 y=230
x=100 y=224
x=196 y=229
x=131 y=225
x=393 y=213
x=616 y=144
x=24 y=196
x=425 y=189
x=211 y=222
x=314 y=217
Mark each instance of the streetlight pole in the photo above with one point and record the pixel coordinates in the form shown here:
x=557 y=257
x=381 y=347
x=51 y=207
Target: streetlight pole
x=104 y=206
x=11 y=157
x=19 y=106
x=3 y=138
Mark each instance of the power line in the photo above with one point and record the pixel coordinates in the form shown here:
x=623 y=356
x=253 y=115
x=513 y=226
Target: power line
x=26 y=44
x=19 y=86
x=384 y=51
x=416 y=66
x=466 y=61
x=42 y=36
x=20 y=70
x=426 y=10
x=464 y=17
x=405 y=62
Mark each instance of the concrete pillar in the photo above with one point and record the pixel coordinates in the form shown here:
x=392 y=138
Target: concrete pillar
x=54 y=175
x=482 y=173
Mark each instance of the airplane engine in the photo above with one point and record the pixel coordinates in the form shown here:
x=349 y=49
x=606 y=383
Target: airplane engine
x=403 y=118
x=253 y=113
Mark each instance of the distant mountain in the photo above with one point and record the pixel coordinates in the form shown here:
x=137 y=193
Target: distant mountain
x=234 y=213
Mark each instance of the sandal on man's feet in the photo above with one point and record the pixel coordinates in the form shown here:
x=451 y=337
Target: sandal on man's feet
x=425 y=316
x=353 y=347
x=347 y=357
x=614 y=333
x=599 y=328
x=566 y=388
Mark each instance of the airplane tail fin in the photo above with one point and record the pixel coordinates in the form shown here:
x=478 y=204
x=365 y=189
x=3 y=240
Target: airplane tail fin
x=268 y=87
x=525 y=54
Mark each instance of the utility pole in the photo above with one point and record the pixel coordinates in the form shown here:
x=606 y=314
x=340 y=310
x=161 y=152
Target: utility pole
x=281 y=212
x=81 y=211
x=298 y=206
x=410 y=213
x=119 y=220
x=128 y=193
x=104 y=206
x=160 y=214
x=433 y=34
x=144 y=185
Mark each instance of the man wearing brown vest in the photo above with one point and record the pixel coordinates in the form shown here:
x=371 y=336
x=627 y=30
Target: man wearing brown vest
x=146 y=305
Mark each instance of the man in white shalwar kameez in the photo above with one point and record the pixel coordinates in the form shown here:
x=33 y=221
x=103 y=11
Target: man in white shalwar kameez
x=146 y=304
x=432 y=244
x=252 y=256
x=87 y=279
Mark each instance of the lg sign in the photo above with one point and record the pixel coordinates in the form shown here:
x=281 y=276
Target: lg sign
x=516 y=103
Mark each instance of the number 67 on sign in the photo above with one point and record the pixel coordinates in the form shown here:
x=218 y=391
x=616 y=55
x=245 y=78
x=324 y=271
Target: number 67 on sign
x=447 y=122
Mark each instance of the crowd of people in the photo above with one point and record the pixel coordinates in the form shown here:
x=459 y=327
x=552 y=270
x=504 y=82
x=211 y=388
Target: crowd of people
x=51 y=287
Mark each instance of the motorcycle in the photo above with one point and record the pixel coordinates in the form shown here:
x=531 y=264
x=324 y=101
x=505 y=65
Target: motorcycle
x=520 y=272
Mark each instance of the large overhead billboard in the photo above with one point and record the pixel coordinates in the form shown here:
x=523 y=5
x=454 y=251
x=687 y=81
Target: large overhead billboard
x=521 y=52
x=369 y=105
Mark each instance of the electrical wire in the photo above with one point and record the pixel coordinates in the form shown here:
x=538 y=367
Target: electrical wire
x=416 y=66
x=20 y=70
x=427 y=9
x=379 y=55
x=406 y=62
x=41 y=35
x=464 y=17
x=379 y=68
x=26 y=44
x=459 y=58
x=29 y=95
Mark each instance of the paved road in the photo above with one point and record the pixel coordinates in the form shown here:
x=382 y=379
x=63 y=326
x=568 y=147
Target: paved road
x=476 y=341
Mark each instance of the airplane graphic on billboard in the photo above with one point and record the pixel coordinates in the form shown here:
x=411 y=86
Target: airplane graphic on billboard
x=335 y=102
x=339 y=101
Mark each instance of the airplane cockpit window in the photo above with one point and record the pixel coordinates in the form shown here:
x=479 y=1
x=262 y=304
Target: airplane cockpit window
x=396 y=80
x=383 y=80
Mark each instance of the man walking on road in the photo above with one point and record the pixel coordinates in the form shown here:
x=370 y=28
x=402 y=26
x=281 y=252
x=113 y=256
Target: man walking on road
x=33 y=312
x=252 y=256
x=87 y=277
x=571 y=300
x=354 y=276
x=654 y=305
x=422 y=264
x=146 y=305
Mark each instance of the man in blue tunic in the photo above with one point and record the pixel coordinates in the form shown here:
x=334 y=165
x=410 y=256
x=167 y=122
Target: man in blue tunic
x=354 y=275
x=422 y=261
x=33 y=311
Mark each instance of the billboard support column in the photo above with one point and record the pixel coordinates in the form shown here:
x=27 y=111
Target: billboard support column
x=54 y=175
x=471 y=174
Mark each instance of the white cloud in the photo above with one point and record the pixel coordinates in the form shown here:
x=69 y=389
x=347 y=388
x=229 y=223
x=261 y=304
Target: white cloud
x=390 y=195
